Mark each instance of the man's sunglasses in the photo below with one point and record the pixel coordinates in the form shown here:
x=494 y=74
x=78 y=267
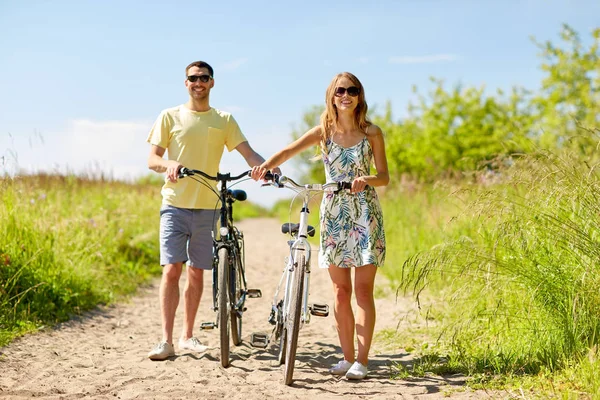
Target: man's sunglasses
x=203 y=78
x=352 y=91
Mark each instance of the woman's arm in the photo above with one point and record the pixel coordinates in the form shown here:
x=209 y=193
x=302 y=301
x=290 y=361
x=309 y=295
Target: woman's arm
x=310 y=138
x=382 y=177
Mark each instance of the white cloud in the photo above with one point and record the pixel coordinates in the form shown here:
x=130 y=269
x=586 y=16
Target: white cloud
x=235 y=64
x=118 y=149
x=434 y=58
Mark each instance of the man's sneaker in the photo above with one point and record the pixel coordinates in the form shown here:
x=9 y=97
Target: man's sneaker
x=192 y=344
x=162 y=351
x=340 y=368
x=357 y=371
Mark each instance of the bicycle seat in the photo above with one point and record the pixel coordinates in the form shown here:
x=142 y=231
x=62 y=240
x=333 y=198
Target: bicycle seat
x=293 y=229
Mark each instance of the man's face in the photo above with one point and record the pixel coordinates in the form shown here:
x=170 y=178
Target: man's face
x=199 y=90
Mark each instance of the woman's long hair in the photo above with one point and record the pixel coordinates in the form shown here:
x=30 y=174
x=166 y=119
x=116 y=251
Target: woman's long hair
x=329 y=118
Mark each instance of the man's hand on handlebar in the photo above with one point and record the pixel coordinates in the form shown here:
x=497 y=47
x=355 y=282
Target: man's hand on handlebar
x=172 y=171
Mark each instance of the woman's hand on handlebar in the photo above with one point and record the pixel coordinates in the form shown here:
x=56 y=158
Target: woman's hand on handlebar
x=358 y=184
x=258 y=172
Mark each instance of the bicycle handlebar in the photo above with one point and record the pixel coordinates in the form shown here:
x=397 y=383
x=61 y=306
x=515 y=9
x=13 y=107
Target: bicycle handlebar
x=183 y=172
x=281 y=181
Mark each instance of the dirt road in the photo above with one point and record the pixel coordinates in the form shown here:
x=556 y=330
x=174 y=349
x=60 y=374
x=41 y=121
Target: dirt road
x=103 y=354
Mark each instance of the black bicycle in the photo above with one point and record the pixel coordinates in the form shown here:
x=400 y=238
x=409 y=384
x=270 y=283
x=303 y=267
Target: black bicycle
x=229 y=278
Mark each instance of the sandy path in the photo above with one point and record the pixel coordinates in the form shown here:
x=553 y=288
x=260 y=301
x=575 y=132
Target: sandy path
x=103 y=354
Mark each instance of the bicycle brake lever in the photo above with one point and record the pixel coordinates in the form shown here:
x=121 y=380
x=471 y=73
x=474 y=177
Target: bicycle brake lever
x=183 y=172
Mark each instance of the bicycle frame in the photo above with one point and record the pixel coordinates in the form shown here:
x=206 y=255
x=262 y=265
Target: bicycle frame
x=292 y=311
x=298 y=247
x=231 y=238
x=229 y=287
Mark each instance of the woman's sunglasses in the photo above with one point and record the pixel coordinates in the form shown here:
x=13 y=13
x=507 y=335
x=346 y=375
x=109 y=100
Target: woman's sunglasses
x=203 y=78
x=352 y=91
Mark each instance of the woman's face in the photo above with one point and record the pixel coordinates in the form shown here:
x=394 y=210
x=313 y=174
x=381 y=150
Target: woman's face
x=345 y=95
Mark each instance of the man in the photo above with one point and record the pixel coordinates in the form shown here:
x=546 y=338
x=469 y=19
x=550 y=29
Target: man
x=194 y=134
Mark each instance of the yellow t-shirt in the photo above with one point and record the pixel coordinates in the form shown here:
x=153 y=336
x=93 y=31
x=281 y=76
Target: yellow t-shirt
x=196 y=140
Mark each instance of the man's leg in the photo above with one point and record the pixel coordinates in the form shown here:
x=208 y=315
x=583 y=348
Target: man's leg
x=169 y=298
x=173 y=254
x=200 y=251
x=192 y=295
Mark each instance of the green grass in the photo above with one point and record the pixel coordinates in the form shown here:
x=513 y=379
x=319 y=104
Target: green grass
x=69 y=244
x=511 y=277
x=504 y=267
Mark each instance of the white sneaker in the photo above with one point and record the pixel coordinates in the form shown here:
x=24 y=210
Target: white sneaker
x=340 y=368
x=357 y=371
x=192 y=344
x=162 y=351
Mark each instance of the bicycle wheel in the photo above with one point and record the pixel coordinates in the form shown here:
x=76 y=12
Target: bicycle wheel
x=236 y=295
x=222 y=303
x=282 y=343
x=293 y=322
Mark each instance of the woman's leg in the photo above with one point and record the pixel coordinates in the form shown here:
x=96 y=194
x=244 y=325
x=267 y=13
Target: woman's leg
x=344 y=317
x=364 y=282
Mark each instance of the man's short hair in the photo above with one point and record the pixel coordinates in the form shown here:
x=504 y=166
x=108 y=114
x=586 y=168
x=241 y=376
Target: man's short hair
x=200 y=64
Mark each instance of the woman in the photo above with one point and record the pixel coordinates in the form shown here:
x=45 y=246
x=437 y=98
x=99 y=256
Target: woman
x=352 y=234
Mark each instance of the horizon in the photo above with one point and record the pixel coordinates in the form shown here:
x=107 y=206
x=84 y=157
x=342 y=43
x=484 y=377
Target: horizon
x=108 y=69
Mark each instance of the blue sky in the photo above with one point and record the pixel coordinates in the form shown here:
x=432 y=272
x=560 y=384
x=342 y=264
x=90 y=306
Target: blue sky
x=81 y=82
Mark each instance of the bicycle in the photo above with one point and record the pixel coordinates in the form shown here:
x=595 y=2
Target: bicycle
x=229 y=287
x=291 y=310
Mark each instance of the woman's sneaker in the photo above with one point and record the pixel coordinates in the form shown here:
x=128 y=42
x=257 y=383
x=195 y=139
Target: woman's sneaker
x=162 y=351
x=340 y=368
x=357 y=371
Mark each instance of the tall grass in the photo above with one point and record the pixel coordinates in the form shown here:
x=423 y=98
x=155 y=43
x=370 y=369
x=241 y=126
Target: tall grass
x=69 y=243
x=521 y=286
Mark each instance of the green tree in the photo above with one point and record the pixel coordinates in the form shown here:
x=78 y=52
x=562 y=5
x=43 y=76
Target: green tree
x=448 y=131
x=570 y=92
x=454 y=130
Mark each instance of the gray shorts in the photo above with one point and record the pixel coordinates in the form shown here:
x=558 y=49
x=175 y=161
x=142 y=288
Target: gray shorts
x=186 y=234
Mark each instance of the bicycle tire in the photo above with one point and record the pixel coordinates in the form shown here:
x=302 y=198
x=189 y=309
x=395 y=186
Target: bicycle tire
x=236 y=293
x=293 y=327
x=282 y=344
x=222 y=303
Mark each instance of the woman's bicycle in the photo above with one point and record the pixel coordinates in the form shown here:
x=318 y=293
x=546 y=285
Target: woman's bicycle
x=290 y=308
x=229 y=278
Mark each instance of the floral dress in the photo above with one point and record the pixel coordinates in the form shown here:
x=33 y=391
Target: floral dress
x=352 y=233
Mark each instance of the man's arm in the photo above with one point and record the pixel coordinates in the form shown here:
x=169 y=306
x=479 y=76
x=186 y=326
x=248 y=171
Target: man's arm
x=251 y=156
x=157 y=163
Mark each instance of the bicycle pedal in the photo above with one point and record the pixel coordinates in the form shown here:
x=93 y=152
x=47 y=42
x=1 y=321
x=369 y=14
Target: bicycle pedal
x=259 y=340
x=208 y=325
x=254 y=293
x=319 y=310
